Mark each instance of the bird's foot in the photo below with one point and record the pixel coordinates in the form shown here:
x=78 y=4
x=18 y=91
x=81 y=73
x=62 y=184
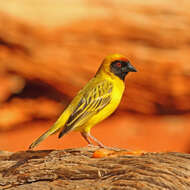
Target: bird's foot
x=109 y=148
x=92 y=146
x=112 y=148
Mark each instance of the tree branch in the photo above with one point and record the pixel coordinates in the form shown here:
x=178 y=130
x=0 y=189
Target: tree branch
x=75 y=168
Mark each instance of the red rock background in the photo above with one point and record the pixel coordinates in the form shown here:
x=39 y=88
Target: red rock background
x=49 y=50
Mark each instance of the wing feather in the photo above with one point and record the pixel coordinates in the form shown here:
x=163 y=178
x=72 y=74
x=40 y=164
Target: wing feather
x=91 y=102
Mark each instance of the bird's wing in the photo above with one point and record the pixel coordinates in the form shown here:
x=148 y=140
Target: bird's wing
x=91 y=102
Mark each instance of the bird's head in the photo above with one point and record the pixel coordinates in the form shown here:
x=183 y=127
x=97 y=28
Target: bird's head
x=118 y=65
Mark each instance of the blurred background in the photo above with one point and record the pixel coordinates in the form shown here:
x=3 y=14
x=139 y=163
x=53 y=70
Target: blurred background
x=50 y=49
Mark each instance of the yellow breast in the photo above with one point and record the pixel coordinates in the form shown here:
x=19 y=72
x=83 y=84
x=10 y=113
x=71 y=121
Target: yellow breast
x=117 y=92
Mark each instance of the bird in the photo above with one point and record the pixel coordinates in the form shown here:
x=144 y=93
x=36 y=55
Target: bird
x=97 y=100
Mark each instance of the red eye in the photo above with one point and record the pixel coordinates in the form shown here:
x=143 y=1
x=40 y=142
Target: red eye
x=118 y=64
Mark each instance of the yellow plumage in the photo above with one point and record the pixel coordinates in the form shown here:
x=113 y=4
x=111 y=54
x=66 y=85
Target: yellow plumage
x=96 y=101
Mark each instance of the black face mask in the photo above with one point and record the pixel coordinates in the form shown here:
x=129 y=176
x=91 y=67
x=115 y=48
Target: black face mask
x=121 y=68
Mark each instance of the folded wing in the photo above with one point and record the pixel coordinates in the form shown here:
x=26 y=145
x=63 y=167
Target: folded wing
x=92 y=101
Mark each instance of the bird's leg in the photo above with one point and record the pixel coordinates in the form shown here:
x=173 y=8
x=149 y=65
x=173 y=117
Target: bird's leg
x=85 y=136
x=100 y=144
x=96 y=140
x=88 y=135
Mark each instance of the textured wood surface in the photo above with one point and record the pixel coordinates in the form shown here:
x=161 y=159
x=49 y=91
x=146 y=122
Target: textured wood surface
x=76 y=169
x=49 y=50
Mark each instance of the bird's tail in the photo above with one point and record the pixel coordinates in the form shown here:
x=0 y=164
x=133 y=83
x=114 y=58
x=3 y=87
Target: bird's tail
x=51 y=131
x=55 y=128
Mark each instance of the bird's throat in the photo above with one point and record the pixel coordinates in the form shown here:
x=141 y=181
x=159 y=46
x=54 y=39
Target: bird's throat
x=121 y=75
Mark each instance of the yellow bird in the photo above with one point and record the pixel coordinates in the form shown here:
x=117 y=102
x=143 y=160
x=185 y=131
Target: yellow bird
x=96 y=101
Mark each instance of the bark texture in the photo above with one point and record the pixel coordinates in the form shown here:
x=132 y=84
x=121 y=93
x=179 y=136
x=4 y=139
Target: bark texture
x=50 y=49
x=76 y=169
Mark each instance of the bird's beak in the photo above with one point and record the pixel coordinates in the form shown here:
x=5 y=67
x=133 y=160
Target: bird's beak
x=131 y=68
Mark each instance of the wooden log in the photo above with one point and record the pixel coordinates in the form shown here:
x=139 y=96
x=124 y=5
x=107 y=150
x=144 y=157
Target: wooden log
x=76 y=169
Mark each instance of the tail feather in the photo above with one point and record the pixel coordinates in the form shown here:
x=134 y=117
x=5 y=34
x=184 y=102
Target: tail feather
x=55 y=128
x=44 y=136
x=64 y=131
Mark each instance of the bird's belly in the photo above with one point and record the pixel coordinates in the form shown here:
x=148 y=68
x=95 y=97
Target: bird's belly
x=104 y=113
